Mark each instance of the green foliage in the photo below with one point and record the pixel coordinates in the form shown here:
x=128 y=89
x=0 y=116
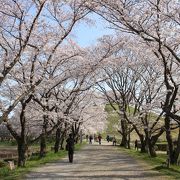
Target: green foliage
x=2 y=164
x=4 y=172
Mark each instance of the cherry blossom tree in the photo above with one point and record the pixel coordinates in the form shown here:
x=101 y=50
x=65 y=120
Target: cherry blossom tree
x=37 y=28
x=155 y=23
x=133 y=86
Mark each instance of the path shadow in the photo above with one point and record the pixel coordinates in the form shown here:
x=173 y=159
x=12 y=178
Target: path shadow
x=83 y=177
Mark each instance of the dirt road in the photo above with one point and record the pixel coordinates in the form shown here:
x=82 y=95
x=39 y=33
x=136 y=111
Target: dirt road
x=102 y=162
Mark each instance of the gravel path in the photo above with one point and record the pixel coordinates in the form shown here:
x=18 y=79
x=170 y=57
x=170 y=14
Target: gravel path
x=102 y=162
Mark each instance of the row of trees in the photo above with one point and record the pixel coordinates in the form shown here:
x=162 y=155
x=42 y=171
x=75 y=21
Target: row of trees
x=46 y=79
x=146 y=74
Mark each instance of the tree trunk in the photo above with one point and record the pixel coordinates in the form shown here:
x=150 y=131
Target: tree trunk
x=61 y=143
x=149 y=144
x=58 y=138
x=75 y=131
x=43 y=137
x=143 y=144
x=152 y=151
x=153 y=141
x=62 y=139
x=129 y=140
x=169 y=140
x=20 y=138
x=124 y=140
x=177 y=149
x=22 y=149
x=42 y=152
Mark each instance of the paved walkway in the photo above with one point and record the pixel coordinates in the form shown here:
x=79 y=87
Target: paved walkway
x=102 y=162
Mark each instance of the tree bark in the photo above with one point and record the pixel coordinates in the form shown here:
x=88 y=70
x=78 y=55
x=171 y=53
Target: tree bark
x=22 y=151
x=169 y=140
x=62 y=139
x=143 y=144
x=62 y=142
x=75 y=130
x=58 y=138
x=43 y=138
x=21 y=139
x=124 y=141
x=152 y=151
x=149 y=145
x=129 y=140
x=177 y=149
x=22 y=145
x=42 y=152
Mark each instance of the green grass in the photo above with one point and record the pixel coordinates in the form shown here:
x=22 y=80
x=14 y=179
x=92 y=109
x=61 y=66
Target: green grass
x=112 y=121
x=5 y=144
x=18 y=173
x=109 y=109
x=155 y=163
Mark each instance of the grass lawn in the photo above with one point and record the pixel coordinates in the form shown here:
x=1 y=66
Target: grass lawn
x=7 y=144
x=112 y=122
x=18 y=173
x=156 y=162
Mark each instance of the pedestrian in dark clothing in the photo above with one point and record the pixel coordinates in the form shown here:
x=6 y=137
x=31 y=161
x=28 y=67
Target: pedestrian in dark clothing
x=70 y=147
x=114 y=141
x=99 y=138
x=87 y=137
x=136 y=144
x=90 y=139
x=107 y=138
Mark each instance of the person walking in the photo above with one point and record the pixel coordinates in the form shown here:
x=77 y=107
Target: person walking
x=99 y=138
x=114 y=141
x=107 y=138
x=90 y=139
x=70 y=147
x=136 y=144
x=87 y=137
